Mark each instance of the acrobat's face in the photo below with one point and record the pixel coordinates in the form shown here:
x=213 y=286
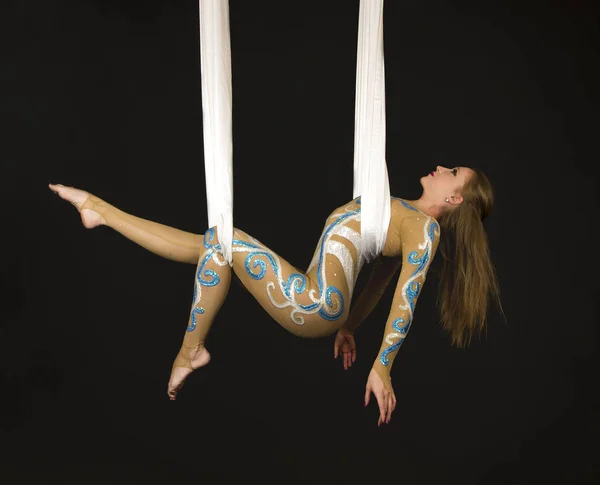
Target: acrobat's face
x=446 y=182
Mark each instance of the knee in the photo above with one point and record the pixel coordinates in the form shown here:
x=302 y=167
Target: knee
x=211 y=242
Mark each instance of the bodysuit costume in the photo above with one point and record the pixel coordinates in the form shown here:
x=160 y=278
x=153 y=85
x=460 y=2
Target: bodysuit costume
x=316 y=303
x=309 y=304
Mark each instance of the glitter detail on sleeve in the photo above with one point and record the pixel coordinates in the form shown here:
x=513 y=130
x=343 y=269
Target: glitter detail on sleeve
x=411 y=289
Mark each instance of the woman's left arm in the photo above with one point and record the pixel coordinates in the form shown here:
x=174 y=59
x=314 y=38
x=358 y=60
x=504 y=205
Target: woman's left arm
x=420 y=238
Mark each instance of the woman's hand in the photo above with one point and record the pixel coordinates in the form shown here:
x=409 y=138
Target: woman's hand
x=386 y=399
x=344 y=344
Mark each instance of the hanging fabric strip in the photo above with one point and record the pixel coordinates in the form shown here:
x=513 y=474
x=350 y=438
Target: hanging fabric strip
x=370 y=170
x=215 y=67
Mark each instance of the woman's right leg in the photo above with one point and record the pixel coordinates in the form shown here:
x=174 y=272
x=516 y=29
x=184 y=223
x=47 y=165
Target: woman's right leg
x=165 y=241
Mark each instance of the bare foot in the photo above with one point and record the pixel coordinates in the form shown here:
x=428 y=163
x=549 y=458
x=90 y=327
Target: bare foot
x=83 y=201
x=196 y=357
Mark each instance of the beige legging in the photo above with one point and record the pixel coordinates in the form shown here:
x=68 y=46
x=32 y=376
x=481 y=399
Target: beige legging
x=311 y=304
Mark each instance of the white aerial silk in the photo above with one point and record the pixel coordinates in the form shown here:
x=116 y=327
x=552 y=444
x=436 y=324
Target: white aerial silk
x=370 y=170
x=215 y=66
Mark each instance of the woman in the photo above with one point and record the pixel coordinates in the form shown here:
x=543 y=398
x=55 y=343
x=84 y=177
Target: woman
x=316 y=303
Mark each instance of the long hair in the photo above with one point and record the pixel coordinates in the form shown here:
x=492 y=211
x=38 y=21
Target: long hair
x=468 y=280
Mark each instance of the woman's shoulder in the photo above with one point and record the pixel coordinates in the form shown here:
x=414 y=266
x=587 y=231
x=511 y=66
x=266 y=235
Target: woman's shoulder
x=411 y=209
x=408 y=220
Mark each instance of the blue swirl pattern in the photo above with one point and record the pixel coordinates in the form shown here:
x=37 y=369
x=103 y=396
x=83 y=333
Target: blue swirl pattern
x=402 y=329
x=406 y=204
x=205 y=276
x=327 y=300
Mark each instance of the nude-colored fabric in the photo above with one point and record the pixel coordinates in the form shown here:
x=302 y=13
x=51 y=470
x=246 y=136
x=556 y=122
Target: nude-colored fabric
x=165 y=241
x=211 y=285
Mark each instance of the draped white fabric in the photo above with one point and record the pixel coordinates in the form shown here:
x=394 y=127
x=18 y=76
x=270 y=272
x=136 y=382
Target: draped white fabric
x=370 y=170
x=215 y=66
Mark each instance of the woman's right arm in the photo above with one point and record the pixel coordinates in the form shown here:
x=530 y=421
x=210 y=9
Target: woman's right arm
x=383 y=270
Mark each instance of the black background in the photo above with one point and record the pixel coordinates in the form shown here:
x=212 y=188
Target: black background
x=105 y=96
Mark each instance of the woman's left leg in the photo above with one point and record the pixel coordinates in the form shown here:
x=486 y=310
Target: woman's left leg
x=211 y=286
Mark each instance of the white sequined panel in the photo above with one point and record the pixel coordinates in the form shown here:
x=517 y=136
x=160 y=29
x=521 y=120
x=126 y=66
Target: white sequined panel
x=356 y=240
x=343 y=254
x=350 y=234
x=347 y=233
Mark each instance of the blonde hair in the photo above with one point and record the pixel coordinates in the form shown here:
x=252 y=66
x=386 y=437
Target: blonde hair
x=468 y=278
